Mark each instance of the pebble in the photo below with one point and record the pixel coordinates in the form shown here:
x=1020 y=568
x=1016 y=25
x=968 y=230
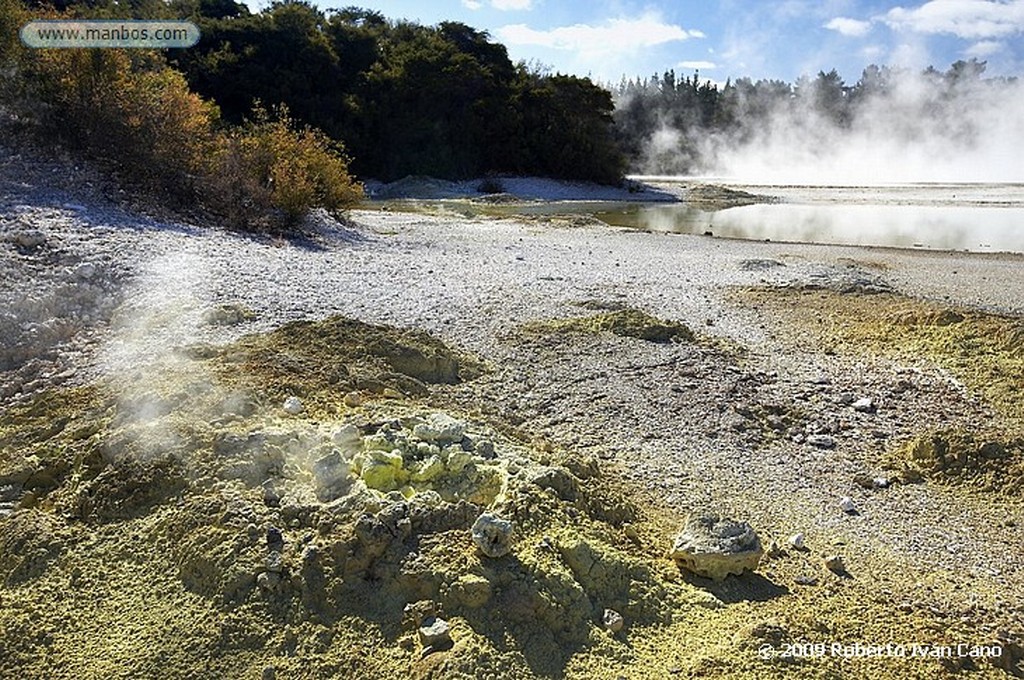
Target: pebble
x=864 y=405
x=835 y=564
x=85 y=271
x=797 y=541
x=435 y=633
x=822 y=441
x=847 y=505
x=293 y=405
x=612 y=621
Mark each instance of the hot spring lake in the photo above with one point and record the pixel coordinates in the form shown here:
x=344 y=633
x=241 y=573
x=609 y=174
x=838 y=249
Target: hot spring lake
x=965 y=217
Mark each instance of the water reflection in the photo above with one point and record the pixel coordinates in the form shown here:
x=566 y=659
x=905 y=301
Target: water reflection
x=982 y=229
x=980 y=218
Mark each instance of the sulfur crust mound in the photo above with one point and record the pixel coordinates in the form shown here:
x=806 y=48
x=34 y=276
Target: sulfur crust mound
x=191 y=522
x=627 y=322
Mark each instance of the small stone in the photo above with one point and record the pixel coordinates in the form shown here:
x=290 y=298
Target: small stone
x=273 y=562
x=714 y=547
x=847 y=505
x=29 y=239
x=440 y=428
x=797 y=541
x=821 y=441
x=774 y=549
x=85 y=271
x=269 y=673
x=612 y=621
x=275 y=539
x=293 y=405
x=882 y=482
x=492 y=535
x=435 y=633
x=805 y=581
x=834 y=563
x=864 y=405
x=864 y=480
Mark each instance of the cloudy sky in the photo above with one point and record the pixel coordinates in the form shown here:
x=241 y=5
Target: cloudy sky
x=732 y=38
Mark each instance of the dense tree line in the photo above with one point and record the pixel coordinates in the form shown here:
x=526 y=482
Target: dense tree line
x=669 y=124
x=404 y=98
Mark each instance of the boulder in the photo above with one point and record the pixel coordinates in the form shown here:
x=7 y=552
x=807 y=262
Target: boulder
x=492 y=535
x=714 y=547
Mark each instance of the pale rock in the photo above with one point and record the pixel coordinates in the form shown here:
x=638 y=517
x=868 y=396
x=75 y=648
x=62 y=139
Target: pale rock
x=492 y=534
x=864 y=405
x=797 y=541
x=435 y=632
x=293 y=406
x=847 y=505
x=822 y=441
x=612 y=620
x=714 y=547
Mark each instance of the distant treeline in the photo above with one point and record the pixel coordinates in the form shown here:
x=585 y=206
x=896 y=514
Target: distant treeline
x=677 y=125
x=404 y=98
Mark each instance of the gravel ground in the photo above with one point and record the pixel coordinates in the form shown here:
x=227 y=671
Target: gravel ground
x=89 y=285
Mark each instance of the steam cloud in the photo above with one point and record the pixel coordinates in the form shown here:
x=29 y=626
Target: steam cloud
x=916 y=128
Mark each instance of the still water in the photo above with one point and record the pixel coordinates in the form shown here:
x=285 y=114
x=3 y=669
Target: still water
x=971 y=217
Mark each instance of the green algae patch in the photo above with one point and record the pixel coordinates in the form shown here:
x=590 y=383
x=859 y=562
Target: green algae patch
x=629 y=322
x=984 y=351
x=987 y=461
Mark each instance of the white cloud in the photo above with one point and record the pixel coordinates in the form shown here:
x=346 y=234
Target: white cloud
x=851 y=27
x=509 y=5
x=697 y=64
x=612 y=37
x=472 y=4
x=971 y=19
x=984 y=48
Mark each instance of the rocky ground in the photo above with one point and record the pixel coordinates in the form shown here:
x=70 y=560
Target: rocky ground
x=164 y=505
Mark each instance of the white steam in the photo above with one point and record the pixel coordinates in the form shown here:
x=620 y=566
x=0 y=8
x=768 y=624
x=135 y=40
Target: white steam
x=918 y=129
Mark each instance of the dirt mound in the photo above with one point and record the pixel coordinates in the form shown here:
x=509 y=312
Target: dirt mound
x=628 y=322
x=987 y=462
x=711 y=197
x=338 y=355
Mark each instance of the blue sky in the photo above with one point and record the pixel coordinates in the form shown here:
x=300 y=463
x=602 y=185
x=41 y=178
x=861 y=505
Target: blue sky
x=607 y=39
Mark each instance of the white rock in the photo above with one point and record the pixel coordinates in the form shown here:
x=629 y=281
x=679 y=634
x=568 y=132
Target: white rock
x=864 y=405
x=847 y=505
x=293 y=405
x=85 y=271
x=612 y=620
x=492 y=534
x=797 y=541
x=435 y=632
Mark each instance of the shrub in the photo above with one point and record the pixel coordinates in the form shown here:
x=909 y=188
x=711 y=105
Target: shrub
x=269 y=172
x=128 y=109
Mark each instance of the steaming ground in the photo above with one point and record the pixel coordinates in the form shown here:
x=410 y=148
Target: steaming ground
x=753 y=419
